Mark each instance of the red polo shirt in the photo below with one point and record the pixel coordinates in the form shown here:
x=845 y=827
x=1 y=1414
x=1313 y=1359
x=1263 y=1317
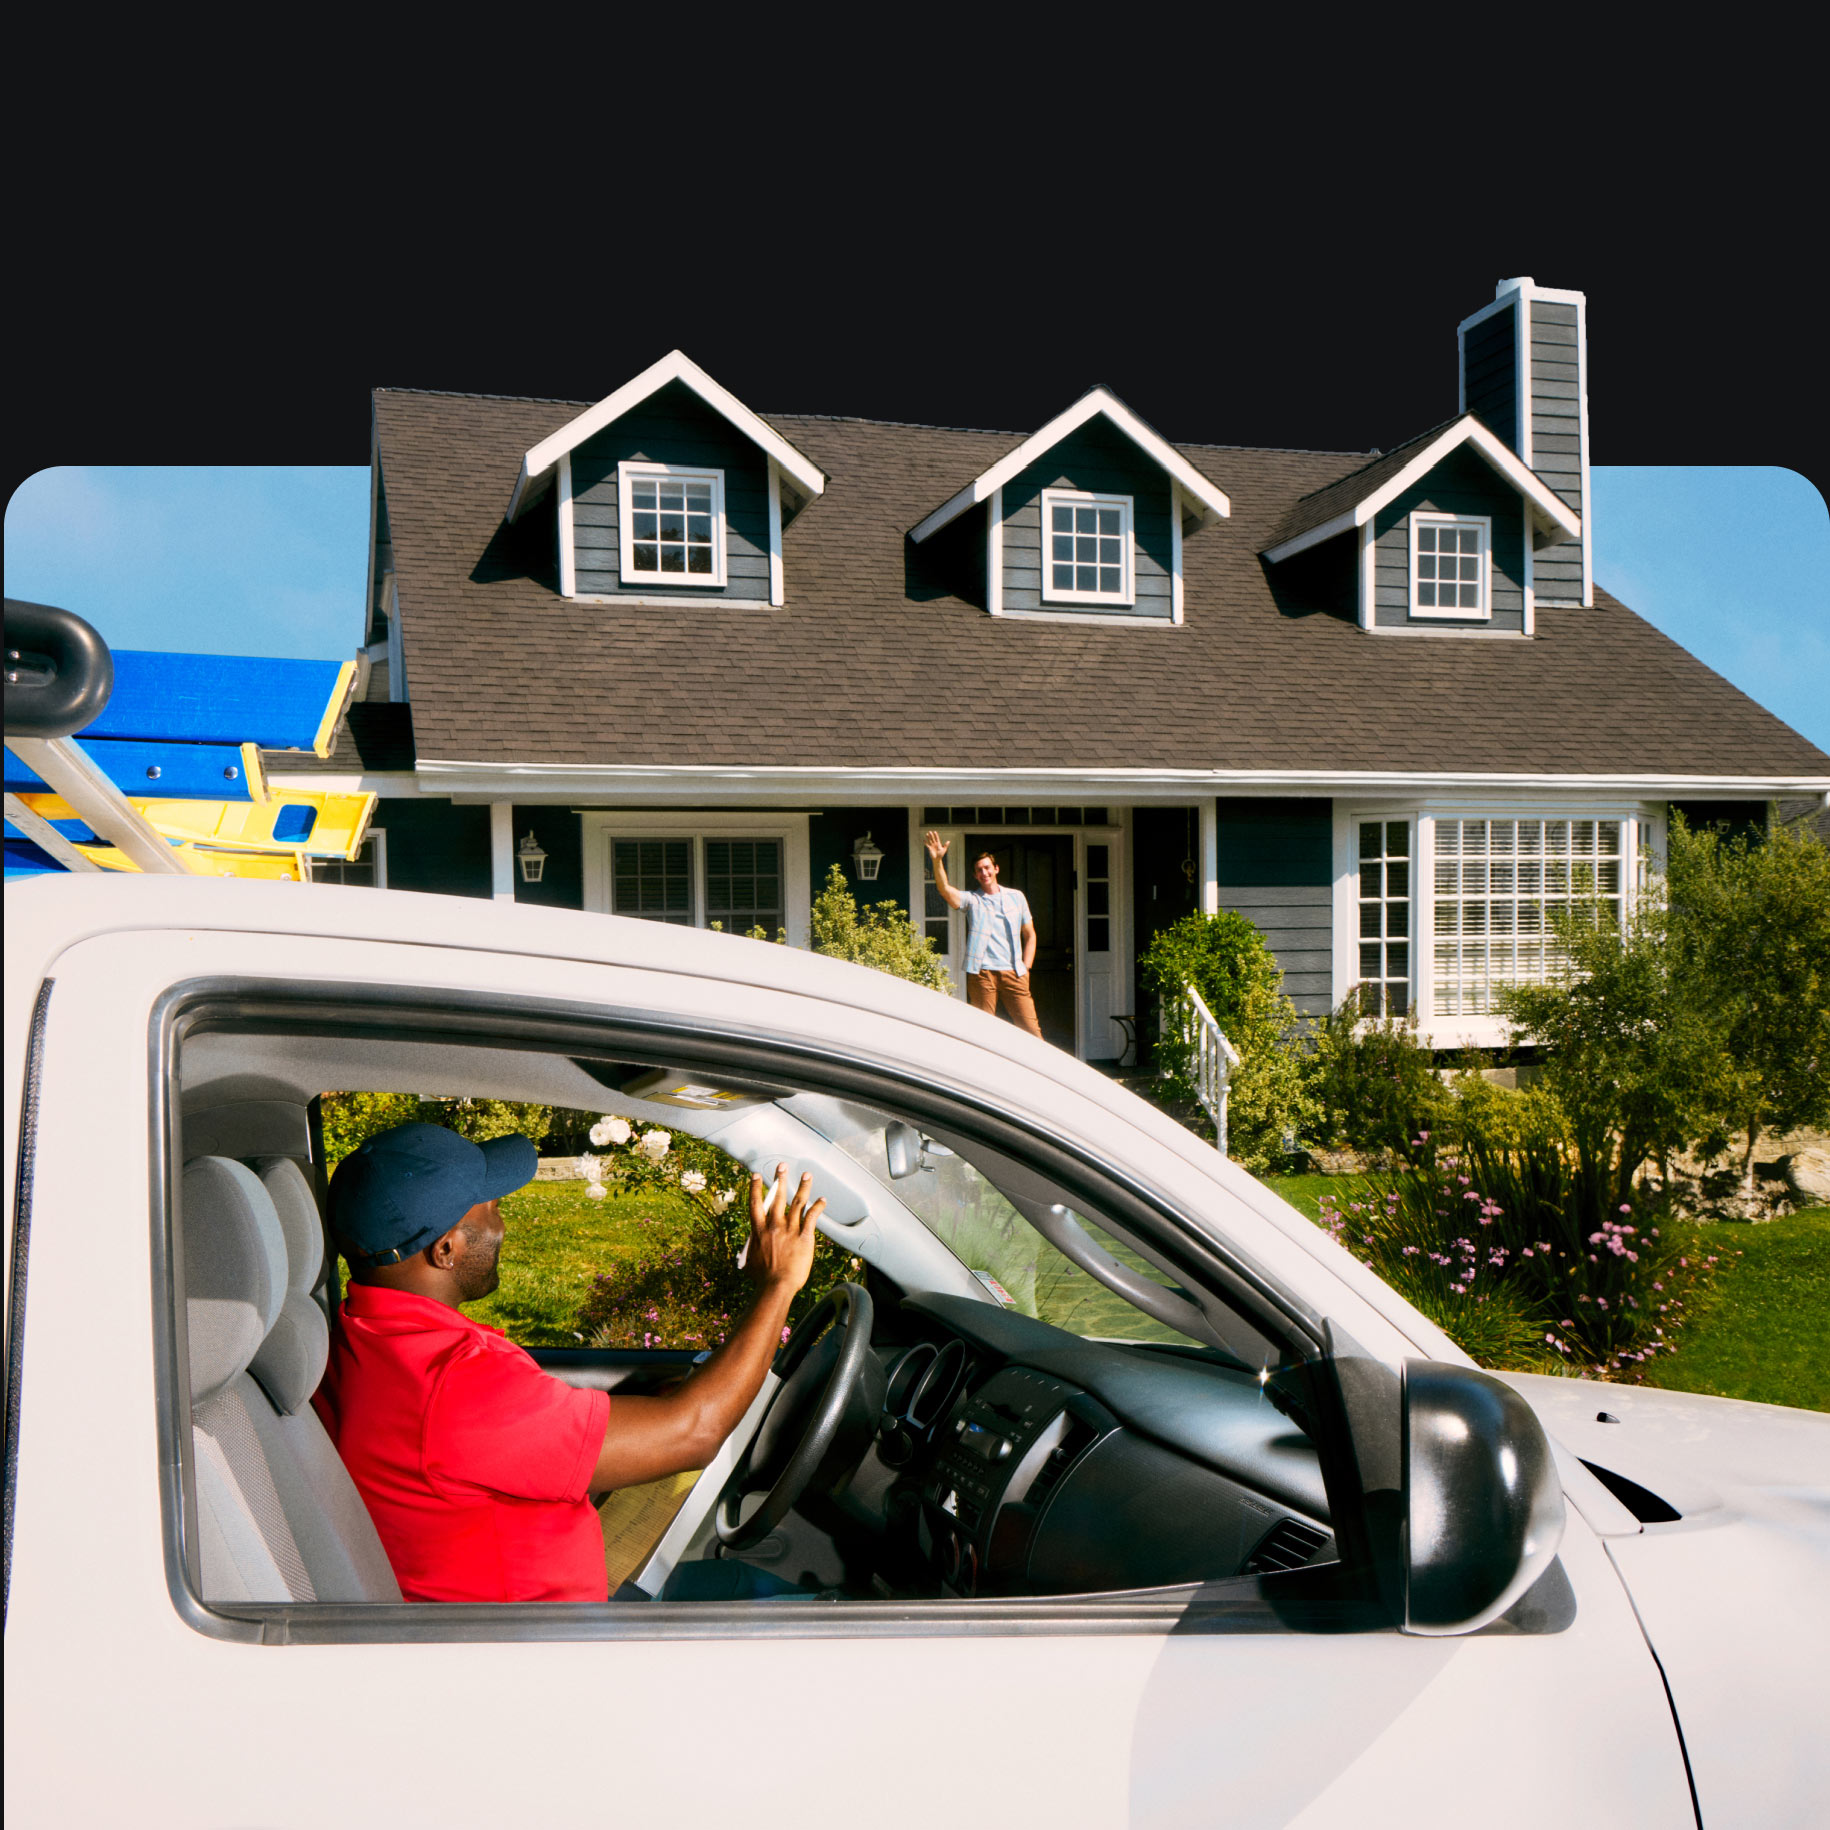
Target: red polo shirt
x=475 y=1464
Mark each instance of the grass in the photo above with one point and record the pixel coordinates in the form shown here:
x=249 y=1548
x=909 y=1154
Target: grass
x=1763 y=1332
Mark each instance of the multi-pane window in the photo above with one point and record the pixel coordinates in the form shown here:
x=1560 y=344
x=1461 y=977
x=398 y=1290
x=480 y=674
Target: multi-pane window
x=1448 y=566
x=1498 y=884
x=743 y=884
x=369 y=867
x=673 y=526
x=653 y=879
x=1099 y=899
x=935 y=921
x=1087 y=548
x=1385 y=917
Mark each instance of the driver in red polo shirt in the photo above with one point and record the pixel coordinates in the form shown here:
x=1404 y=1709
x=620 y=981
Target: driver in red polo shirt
x=478 y=1468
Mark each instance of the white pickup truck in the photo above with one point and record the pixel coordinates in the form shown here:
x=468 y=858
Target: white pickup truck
x=1271 y=1553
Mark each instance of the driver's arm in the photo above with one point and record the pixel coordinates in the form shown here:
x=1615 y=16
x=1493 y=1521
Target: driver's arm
x=647 y=1438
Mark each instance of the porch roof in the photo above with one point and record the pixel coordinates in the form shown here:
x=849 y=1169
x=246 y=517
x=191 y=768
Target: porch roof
x=874 y=663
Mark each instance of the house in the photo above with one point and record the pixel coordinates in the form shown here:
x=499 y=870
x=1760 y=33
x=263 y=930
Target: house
x=668 y=657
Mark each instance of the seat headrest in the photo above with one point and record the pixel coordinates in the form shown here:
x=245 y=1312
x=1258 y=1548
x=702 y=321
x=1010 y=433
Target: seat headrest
x=297 y=1208
x=234 y=1269
x=291 y=1359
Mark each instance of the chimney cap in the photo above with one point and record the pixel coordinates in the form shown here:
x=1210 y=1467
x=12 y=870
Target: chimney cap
x=1522 y=283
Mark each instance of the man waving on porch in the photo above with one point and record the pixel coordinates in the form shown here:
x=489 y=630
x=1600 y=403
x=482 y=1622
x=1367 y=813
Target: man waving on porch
x=1000 y=937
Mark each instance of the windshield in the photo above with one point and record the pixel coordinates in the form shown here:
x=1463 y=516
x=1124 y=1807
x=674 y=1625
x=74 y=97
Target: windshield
x=963 y=1209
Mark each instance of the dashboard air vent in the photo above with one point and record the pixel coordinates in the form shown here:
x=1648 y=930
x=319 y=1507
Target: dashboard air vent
x=1289 y=1544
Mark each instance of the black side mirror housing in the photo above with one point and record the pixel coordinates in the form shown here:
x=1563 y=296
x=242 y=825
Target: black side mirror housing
x=1482 y=1503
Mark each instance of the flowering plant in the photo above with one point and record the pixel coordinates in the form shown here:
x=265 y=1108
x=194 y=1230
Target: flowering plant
x=1492 y=1245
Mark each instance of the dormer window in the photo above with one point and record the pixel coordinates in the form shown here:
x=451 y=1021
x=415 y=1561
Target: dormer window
x=672 y=524
x=1089 y=548
x=1449 y=565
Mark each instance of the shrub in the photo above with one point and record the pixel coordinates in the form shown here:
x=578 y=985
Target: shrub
x=881 y=936
x=1519 y=1257
x=1374 y=1086
x=352 y=1118
x=689 y=1290
x=1227 y=961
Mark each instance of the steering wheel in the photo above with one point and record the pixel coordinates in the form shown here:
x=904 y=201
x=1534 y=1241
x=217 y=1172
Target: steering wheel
x=821 y=1367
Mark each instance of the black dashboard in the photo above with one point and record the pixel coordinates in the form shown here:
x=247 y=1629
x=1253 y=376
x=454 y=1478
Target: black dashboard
x=1048 y=1464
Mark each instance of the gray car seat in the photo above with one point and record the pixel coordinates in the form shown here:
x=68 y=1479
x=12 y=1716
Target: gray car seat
x=280 y=1518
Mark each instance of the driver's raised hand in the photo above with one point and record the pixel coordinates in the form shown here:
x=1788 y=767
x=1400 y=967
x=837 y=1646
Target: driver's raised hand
x=783 y=1231
x=937 y=846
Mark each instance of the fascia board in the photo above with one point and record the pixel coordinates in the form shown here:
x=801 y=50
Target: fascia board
x=1213 y=501
x=1471 y=432
x=1341 y=524
x=676 y=365
x=642 y=783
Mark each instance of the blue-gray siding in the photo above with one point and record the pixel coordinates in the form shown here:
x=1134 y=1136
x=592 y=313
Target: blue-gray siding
x=1275 y=862
x=1556 y=439
x=1098 y=458
x=1490 y=373
x=672 y=427
x=1462 y=484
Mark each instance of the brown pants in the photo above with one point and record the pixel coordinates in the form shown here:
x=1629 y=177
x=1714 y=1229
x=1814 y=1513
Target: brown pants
x=1011 y=989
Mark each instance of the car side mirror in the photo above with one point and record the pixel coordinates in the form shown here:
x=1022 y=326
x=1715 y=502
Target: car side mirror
x=902 y=1145
x=1482 y=1504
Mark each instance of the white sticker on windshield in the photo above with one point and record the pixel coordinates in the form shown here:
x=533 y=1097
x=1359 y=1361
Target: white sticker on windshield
x=996 y=1288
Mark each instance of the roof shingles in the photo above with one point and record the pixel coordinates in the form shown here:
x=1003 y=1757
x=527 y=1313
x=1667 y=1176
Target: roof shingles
x=854 y=672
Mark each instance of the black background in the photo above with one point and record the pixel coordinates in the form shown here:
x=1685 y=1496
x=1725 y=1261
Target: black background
x=219 y=249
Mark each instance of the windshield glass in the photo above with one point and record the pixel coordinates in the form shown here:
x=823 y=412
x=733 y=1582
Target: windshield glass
x=963 y=1209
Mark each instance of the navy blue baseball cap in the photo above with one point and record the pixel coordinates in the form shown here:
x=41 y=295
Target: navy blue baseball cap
x=398 y=1191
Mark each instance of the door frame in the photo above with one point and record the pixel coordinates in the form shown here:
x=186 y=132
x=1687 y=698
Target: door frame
x=1115 y=834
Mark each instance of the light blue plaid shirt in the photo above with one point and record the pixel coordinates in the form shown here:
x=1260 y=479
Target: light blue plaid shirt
x=994 y=930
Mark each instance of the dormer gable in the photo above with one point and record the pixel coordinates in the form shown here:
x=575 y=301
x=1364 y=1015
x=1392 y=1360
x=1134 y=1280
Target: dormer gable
x=1447 y=528
x=668 y=490
x=1084 y=519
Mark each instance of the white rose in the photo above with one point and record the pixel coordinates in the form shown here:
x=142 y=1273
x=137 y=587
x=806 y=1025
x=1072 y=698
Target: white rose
x=595 y=1192
x=693 y=1182
x=615 y=1130
x=600 y=1132
x=722 y=1200
x=654 y=1144
x=591 y=1168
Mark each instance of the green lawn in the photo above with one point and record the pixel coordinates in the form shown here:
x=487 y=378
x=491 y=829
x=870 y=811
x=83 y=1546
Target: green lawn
x=1762 y=1333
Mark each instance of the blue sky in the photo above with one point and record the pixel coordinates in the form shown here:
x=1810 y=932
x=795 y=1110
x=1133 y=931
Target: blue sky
x=1732 y=563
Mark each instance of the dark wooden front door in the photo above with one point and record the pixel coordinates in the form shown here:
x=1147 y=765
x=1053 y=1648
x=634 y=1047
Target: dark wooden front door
x=1041 y=865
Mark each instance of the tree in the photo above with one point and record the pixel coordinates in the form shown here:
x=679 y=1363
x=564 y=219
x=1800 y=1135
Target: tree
x=1750 y=948
x=1227 y=961
x=1631 y=1057
x=881 y=936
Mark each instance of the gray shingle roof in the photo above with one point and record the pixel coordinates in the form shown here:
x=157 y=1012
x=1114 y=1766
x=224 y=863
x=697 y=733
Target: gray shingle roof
x=868 y=666
x=1321 y=506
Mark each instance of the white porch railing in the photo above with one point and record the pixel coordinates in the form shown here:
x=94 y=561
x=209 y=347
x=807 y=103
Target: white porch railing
x=1214 y=1059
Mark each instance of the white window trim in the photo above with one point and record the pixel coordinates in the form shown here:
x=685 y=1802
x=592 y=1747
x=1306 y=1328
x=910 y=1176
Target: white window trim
x=626 y=473
x=1642 y=831
x=377 y=837
x=598 y=829
x=1421 y=518
x=1127 y=548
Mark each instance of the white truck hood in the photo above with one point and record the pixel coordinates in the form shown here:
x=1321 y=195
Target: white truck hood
x=1734 y=1595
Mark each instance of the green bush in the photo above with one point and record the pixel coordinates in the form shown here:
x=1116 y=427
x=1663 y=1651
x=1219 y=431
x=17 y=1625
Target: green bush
x=1227 y=961
x=881 y=936
x=352 y=1118
x=1374 y=1086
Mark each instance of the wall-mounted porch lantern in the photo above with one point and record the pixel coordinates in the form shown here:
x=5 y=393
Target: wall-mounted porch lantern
x=533 y=859
x=866 y=859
